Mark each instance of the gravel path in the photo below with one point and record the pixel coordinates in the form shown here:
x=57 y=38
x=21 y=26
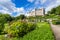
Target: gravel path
x=56 y=30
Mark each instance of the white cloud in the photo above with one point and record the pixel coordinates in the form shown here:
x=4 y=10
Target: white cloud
x=30 y=1
x=43 y=1
x=9 y=7
x=37 y=1
x=4 y=0
x=20 y=11
x=5 y=12
x=40 y=1
x=52 y=5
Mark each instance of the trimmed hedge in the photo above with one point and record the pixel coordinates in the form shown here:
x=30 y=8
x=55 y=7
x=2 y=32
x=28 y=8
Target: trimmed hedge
x=56 y=22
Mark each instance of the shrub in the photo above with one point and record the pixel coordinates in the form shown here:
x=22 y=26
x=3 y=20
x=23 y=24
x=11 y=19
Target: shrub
x=56 y=22
x=31 y=26
x=19 y=28
x=1 y=27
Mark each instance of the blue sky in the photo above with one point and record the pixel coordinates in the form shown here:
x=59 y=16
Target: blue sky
x=17 y=7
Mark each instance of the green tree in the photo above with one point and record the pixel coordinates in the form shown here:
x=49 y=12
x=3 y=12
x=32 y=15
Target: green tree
x=5 y=18
x=21 y=17
x=58 y=10
x=55 y=11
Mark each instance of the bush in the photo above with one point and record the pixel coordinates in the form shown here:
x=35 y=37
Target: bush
x=56 y=22
x=31 y=26
x=1 y=27
x=19 y=28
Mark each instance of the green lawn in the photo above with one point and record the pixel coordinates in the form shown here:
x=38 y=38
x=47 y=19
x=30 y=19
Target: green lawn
x=42 y=32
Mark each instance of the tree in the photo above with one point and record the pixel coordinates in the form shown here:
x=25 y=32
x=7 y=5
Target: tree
x=8 y=17
x=58 y=10
x=21 y=17
x=55 y=11
x=5 y=18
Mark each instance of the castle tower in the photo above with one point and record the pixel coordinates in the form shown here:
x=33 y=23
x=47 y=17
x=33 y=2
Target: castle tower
x=37 y=12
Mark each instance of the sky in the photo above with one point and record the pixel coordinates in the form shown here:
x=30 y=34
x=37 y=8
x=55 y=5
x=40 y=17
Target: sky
x=17 y=7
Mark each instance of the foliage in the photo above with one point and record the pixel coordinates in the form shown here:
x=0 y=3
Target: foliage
x=19 y=28
x=21 y=17
x=43 y=32
x=1 y=27
x=55 y=11
x=56 y=22
x=5 y=18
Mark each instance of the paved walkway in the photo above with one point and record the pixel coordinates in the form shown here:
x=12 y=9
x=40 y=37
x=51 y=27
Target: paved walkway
x=56 y=30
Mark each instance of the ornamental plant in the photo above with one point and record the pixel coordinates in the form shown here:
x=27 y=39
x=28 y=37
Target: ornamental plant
x=19 y=28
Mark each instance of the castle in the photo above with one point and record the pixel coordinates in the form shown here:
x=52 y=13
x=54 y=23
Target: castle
x=37 y=12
